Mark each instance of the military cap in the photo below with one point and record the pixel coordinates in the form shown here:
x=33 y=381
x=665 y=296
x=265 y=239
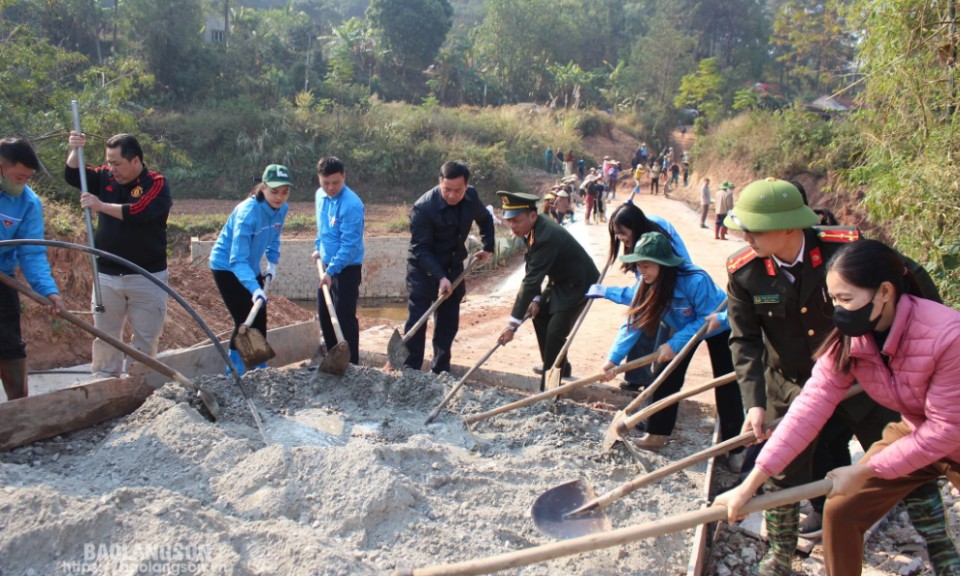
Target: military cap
x=770 y=204
x=514 y=203
x=276 y=176
x=726 y=185
x=653 y=247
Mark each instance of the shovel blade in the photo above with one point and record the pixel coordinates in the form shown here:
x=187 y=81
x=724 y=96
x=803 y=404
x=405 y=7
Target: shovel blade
x=397 y=351
x=612 y=434
x=253 y=347
x=336 y=360
x=551 y=509
x=552 y=379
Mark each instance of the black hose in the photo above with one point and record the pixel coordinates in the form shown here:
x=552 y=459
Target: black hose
x=118 y=260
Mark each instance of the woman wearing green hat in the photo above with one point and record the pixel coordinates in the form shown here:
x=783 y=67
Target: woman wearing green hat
x=252 y=230
x=680 y=295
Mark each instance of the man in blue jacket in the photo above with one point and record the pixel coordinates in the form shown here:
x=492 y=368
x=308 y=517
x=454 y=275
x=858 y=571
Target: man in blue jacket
x=440 y=223
x=340 y=246
x=21 y=217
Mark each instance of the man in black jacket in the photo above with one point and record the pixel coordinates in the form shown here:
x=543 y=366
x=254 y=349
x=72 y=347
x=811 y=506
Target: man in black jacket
x=132 y=204
x=440 y=223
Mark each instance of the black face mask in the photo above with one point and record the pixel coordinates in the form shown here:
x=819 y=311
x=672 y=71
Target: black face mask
x=855 y=322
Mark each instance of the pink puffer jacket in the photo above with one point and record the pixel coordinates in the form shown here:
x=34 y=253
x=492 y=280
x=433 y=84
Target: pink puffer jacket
x=922 y=383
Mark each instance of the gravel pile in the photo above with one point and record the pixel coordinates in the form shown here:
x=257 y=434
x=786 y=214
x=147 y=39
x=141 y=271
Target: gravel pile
x=350 y=481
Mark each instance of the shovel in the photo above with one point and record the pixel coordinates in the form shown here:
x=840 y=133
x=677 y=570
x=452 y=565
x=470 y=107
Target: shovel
x=469 y=373
x=617 y=428
x=636 y=363
x=567 y=502
x=592 y=542
x=338 y=358
x=213 y=407
x=397 y=347
x=249 y=342
x=552 y=379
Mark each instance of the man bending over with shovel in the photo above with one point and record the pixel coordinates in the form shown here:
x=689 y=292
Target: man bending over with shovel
x=551 y=252
x=439 y=224
x=22 y=216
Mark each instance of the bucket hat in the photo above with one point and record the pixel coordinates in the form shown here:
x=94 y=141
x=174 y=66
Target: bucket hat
x=653 y=247
x=770 y=204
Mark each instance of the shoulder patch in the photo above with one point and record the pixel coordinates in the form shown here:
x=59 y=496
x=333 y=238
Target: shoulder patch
x=740 y=259
x=838 y=234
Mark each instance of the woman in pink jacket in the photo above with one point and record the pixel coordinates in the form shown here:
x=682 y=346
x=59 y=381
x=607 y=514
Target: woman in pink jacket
x=905 y=353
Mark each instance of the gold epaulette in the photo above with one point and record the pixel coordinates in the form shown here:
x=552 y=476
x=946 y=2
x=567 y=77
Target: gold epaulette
x=740 y=259
x=837 y=234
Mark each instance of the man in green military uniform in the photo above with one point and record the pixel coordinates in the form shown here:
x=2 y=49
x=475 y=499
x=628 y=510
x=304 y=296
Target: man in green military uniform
x=552 y=253
x=780 y=313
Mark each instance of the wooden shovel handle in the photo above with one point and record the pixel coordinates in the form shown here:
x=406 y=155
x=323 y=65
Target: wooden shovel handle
x=591 y=542
x=659 y=405
x=328 y=300
x=436 y=304
x=469 y=373
x=256 y=305
x=744 y=439
x=636 y=363
x=128 y=350
x=665 y=373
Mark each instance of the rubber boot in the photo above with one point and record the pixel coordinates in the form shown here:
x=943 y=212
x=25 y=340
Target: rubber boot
x=782 y=534
x=925 y=508
x=237 y=361
x=13 y=373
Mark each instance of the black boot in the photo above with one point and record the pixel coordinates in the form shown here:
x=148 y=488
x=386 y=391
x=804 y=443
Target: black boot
x=13 y=373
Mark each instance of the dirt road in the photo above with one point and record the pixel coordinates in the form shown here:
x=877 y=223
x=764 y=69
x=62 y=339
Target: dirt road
x=483 y=316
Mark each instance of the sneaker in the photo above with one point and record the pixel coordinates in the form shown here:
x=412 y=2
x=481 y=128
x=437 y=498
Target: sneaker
x=538 y=369
x=811 y=526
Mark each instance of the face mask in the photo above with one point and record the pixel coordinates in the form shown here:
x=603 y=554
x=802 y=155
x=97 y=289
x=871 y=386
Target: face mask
x=855 y=322
x=11 y=188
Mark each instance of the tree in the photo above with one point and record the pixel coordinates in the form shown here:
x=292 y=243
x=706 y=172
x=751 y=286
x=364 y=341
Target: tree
x=169 y=38
x=907 y=147
x=702 y=90
x=814 y=47
x=412 y=31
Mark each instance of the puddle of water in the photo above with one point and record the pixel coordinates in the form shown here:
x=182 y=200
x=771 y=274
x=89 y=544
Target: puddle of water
x=307 y=428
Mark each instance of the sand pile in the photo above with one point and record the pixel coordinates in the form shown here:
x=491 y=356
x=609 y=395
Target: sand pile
x=350 y=482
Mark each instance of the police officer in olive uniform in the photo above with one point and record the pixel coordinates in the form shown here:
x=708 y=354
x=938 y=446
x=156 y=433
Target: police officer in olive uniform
x=552 y=253
x=780 y=314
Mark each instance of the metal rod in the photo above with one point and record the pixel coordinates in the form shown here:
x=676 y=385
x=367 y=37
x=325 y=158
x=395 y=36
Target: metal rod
x=97 y=298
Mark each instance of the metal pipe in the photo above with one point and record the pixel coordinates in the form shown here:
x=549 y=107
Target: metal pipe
x=97 y=298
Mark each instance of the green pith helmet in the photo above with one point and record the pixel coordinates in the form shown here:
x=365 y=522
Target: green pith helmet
x=653 y=247
x=770 y=204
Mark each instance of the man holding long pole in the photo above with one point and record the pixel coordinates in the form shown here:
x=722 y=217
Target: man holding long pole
x=132 y=204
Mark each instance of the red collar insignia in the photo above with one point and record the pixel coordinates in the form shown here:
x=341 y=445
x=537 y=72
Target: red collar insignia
x=816 y=260
x=771 y=270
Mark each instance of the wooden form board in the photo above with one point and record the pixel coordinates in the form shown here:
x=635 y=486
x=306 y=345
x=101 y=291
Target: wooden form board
x=39 y=417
